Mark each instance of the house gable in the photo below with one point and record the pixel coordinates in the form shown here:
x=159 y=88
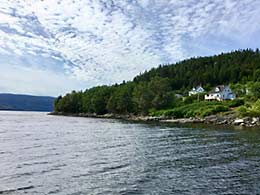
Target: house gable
x=219 y=93
x=196 y=90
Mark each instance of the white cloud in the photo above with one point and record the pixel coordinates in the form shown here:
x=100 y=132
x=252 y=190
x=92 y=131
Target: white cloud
x=105 y=41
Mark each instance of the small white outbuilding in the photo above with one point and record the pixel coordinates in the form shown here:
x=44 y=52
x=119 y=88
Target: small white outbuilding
x=196 y=90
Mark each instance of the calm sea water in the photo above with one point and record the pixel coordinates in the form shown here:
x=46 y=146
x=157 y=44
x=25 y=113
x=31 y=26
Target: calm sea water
x=42 y=154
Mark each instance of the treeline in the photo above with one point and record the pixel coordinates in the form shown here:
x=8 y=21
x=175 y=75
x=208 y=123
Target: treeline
x=238 y=66
x=156 y=89
x=125 y=98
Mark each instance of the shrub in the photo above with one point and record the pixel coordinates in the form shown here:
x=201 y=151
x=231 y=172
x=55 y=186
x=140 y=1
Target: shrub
x=236 y=103
x=242 y=110
x=220 y=108
x=250 y=110
x=256 y=105
x=253 y=113
x=198 y=109
x=189 y=99
x=213 y=110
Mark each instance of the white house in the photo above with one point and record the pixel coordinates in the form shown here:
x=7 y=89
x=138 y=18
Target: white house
x=196 y=90
x=220 y=93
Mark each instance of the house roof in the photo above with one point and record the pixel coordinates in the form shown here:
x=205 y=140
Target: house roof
x=220 y=87
x=196 y=88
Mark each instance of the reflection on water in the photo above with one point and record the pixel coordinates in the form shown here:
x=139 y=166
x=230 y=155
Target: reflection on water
x=42 y=154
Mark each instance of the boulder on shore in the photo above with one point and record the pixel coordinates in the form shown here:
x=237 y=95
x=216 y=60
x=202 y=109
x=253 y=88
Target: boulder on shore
x=238 y=121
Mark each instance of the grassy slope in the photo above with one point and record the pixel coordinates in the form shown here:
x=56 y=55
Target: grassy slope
x=200 y=109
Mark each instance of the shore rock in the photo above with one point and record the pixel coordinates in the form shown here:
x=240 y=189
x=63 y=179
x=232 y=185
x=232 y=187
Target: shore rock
x=184 y=120
x=213 y=119
x=247 y=121
x=218 y=120
x=238 y=122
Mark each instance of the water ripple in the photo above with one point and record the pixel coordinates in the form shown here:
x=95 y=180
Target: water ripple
x=16 y=189
x=68 y=155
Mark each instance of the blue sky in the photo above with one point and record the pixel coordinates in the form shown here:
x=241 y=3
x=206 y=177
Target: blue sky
x=50 y=47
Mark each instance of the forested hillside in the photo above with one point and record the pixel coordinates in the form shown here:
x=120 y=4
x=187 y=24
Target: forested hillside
x=156 y=89
x=238 y=66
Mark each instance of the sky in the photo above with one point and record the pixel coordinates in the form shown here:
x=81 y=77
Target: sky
x=50 y=47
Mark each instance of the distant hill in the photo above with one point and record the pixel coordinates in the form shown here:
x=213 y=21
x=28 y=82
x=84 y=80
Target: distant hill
x=26 y=102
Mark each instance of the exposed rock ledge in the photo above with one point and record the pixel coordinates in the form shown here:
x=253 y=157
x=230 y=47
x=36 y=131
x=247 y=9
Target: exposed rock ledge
x=213 y=119
x=231 y=120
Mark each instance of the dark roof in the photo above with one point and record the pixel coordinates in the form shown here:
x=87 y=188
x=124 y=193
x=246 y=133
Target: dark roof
x=220 y=87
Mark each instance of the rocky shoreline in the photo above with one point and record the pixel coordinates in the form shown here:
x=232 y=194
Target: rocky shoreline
x=212 y=119
x=231 y=120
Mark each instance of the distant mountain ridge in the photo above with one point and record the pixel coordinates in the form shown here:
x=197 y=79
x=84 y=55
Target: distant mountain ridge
x=21 y=102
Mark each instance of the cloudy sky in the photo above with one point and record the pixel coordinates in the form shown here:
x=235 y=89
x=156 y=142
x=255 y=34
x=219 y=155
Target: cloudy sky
x=49 y=47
